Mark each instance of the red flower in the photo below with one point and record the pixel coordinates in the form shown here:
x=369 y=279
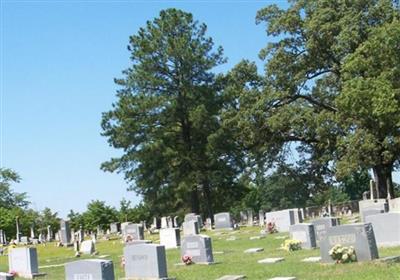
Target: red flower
x=187 y=259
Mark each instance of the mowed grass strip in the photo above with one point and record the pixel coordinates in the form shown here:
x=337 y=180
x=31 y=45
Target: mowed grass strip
x=232 y=260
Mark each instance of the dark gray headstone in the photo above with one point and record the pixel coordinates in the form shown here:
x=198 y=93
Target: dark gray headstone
x=65 y=232
x=89 y=270
x=223 y=221
x=304 y=233
x=283 y=219
x=23 y=261
x=386 y=228
x=360 y=236
x=199 y=247
x=145 y=261
x=321 y=226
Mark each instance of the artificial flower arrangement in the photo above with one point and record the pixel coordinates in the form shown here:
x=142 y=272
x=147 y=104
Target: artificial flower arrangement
x=292 y=245
x=343 y=254
x=271 y=227
x=187 y=259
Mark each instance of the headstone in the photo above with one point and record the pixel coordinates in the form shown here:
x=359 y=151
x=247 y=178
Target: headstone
x=321 y=226
x=32 y=231
x=123 y=225
x=223 y=221
x=176 y=222
x=369 y=212
x=18 y=234
x=65 y=232
x=89 y=270
x=114 y=227
x=386 y=228
x=193 y=217
x=87 y=247
x=145 y=261
x=6 y=276
x=253 y=250
x=198 y=247
x=312 y=259
x=394 y=205
x=2 y=241
x=298 y=218
x=377 y=204
x=134 y=232
x=283 y=219
x=360 y=236
x=243 y=217
x=304 y=233
x=24 y=240
x=164 y=222
x=261 y=218
x=170 y=237
x=208 y=224
x=250 y=221
x=232 y=277
x=190 y=228
x=24 y=262
x=170 y=222
x=49 y=236
x=283 y=278
x=271 y=260
x=81 y=235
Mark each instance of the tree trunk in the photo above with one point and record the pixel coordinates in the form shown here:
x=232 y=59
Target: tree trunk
x=383 y=180
x=195 y=201
x=207 y=196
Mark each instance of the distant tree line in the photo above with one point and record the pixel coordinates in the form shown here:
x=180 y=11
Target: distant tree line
x=306 y=131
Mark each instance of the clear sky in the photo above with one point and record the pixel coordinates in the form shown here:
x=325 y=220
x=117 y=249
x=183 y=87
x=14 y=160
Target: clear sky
x=58 y=61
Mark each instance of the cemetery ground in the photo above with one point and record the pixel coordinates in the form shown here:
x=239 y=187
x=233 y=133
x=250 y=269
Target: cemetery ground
x=230 y=259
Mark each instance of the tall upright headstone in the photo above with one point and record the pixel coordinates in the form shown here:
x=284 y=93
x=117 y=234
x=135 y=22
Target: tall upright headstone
x=145 y=261
x=223 y=221
x=198 y=247
x=176 y=222
x=65 y=233
x=2 y=239
x=49 y=236
x=193 y=217
x=170 y=237
x=24 y=262
x=18 y=234
x=360 y=236
x=250 y=217
x=89 y=270
x=164 y=222
x=261 y=218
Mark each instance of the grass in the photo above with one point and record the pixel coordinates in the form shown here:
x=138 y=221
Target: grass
x=232 y=260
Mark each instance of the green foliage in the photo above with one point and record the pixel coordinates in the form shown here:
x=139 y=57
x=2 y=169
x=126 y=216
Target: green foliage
x=98 y=214
x=166 y=118
x=8 y=198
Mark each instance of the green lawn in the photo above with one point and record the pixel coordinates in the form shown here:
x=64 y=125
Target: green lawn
x=233 y=261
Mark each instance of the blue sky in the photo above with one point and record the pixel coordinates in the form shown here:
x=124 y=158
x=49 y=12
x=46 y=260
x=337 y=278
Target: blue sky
x=58 y=62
